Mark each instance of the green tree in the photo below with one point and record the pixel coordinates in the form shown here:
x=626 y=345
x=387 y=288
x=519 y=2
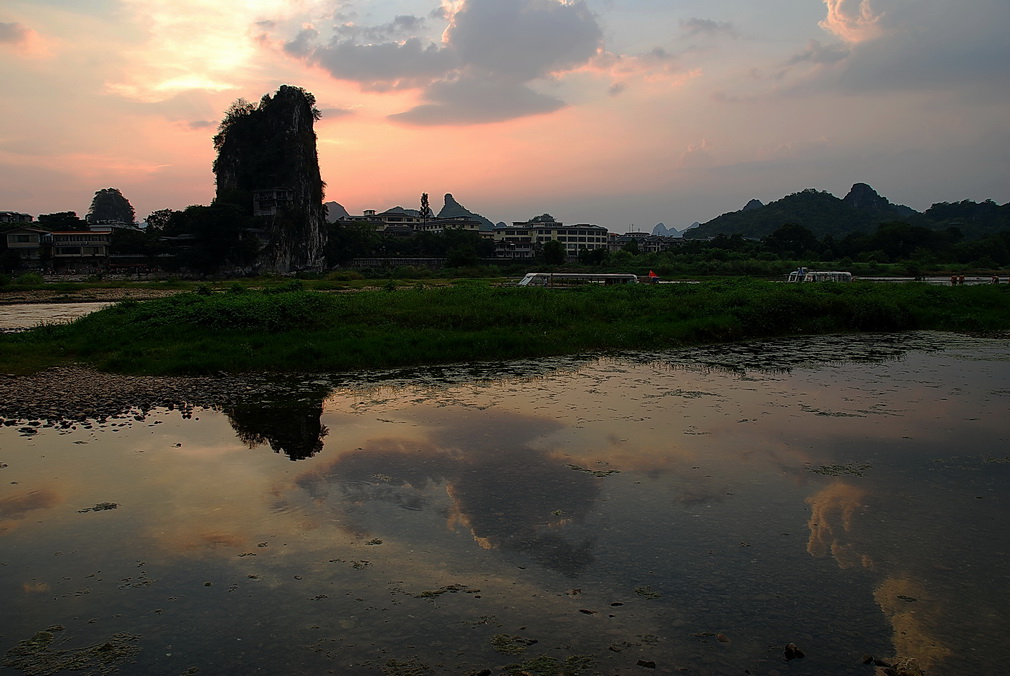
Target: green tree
x=554 y=252
x=791 y=240
x=158 y=221
x=594 y=256
x=462 y=256
x=62 y=220
x=136 y=242
x=221 y=237
x=109 y=205
x=632 y=247
x=350 y=240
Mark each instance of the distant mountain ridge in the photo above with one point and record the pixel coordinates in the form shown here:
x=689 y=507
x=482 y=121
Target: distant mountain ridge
x=453 y=209
x=861 y=210
x=664 y=231
x=335 y=211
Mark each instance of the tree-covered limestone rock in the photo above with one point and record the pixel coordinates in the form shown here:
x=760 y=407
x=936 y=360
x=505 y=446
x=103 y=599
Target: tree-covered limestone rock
x=272 y=146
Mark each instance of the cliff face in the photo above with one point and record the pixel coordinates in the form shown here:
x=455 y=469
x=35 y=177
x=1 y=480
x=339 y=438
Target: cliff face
x=272 y=147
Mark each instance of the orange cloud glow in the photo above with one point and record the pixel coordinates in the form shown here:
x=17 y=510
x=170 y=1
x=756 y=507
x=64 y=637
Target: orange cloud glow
x=832 y=512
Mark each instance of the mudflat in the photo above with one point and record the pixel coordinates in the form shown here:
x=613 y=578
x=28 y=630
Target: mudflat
x=86 y=295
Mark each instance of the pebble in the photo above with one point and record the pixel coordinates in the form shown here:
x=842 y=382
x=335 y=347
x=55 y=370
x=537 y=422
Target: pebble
x=78 y=394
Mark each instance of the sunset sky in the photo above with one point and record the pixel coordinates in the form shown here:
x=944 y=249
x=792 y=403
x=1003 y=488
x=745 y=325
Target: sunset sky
x=621 y=113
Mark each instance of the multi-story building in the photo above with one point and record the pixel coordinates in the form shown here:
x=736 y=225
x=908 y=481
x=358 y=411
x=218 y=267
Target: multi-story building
x=440 y=225
x=400 y=221
x=27 y=242
x=14 y=217
x=647 y=243
x=271 y=201
x=526 y=239
x=71 y=248
x=80 y=244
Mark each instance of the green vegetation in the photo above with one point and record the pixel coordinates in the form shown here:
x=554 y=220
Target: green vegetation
x=289 y=328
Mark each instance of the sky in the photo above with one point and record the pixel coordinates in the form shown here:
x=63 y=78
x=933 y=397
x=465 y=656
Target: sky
x=620 y=113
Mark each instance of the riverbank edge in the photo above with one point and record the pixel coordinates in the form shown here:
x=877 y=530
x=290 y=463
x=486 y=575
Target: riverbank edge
x=281 y=331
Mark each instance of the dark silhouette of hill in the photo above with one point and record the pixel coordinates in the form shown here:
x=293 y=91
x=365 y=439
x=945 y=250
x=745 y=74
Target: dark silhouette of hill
x=335 y=211
x=973 y=219
x=453 y=209
x=861 y=210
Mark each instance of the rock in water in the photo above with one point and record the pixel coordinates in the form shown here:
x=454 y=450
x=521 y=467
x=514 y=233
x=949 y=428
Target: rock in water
x=267 y=164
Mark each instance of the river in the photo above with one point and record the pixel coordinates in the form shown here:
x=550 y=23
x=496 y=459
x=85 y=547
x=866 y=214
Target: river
x=674 y=512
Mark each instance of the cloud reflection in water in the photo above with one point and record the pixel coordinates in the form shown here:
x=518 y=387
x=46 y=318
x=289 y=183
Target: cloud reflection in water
x=509 y=495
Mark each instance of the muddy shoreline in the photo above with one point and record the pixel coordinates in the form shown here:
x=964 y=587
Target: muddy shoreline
x=89 y=295
x=67 y=395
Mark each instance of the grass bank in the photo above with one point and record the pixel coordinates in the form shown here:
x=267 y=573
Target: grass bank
x=301 y=330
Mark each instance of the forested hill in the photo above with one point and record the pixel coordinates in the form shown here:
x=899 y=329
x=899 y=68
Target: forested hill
x=862 y=210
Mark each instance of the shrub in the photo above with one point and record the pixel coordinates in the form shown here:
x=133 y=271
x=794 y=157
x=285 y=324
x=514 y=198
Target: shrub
x=344 y=276
x=30 y=279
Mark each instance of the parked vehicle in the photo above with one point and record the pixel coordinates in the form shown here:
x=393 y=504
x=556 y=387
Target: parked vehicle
x=565 y=279
x=804 y=275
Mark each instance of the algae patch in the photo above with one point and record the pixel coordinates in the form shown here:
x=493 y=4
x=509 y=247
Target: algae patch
x=551 y=666
x=837 y=470
x=41 y=655
x=600 y=473
x=409 y=667
x=647 y=592
x=100 y=507
x=448 y=589
x=511 y=645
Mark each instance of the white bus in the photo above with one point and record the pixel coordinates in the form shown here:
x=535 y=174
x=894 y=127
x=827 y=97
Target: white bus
x=562 y=279
x=804 y=275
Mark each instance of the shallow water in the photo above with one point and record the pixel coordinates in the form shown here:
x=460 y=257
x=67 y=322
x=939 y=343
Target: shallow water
x=657 y=513
x=29 y=315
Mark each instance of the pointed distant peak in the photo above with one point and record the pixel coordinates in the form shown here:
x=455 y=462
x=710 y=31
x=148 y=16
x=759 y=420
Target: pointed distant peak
x=862 y=196
x=453 y=209
x=752 y=205
x=335 y=211
x=663 y=231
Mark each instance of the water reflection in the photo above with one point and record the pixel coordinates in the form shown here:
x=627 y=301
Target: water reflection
x=612 y=510
x=17 y=507
x=292 y=427
x=508 y=495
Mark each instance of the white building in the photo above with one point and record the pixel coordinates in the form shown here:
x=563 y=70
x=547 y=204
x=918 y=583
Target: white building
x=526 y=239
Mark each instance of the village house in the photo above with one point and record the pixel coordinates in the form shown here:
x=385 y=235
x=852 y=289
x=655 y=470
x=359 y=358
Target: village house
x=647 y=243
x=405 y=222
x=525 y=239
x=15 y=217
x=76 y=249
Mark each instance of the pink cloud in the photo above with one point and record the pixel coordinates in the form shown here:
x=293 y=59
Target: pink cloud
x=853 y=25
